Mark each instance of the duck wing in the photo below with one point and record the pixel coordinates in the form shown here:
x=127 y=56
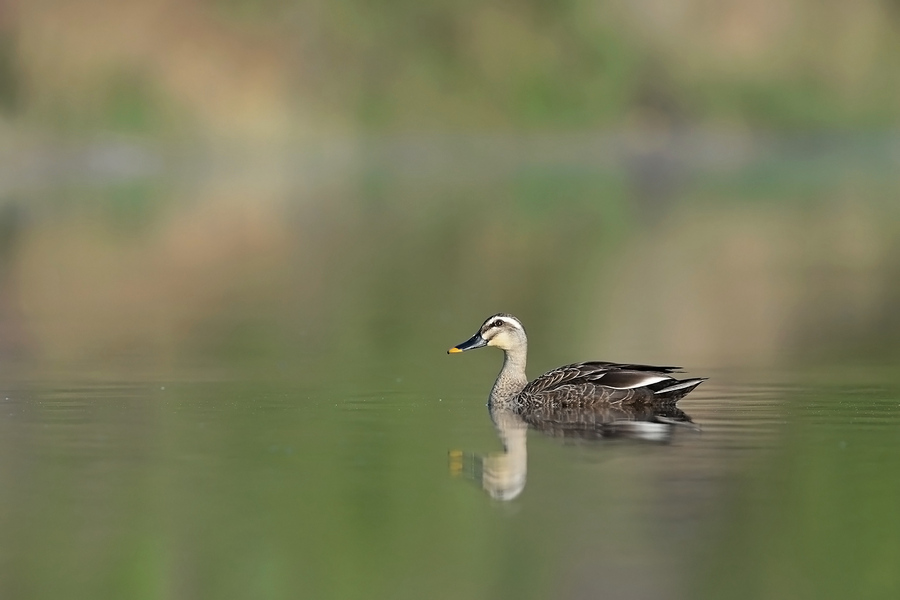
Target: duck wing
x=619 y=376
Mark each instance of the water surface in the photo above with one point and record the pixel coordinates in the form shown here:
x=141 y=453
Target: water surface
x=230 y=388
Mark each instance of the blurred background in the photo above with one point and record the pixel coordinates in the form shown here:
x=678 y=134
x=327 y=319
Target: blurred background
x=222 y=214
x=714 y=181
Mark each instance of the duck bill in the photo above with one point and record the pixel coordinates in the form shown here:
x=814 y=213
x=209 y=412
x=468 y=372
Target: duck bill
x=476 y=341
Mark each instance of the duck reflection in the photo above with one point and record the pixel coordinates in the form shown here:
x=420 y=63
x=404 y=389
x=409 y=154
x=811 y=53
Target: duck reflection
x=588 y=400
x=502 y=474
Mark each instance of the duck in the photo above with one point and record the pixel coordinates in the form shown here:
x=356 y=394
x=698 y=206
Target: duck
x=576 y=385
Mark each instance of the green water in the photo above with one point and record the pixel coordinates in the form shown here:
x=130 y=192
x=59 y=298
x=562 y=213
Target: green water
x=236 y=386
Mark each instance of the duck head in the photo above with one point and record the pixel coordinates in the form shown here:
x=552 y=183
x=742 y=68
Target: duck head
x=502 y=330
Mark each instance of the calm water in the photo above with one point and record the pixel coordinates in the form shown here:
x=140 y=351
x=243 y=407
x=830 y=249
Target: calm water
x=230 y=388
x=234 y=489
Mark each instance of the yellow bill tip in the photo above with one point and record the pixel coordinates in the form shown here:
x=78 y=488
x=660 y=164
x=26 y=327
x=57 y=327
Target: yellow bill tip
x=456 y=462
x=453 y=350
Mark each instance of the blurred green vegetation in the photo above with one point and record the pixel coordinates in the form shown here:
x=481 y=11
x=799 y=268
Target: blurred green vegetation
x=784 y=262
x=278 y=69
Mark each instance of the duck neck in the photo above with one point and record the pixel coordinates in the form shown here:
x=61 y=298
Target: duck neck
x=512 y=376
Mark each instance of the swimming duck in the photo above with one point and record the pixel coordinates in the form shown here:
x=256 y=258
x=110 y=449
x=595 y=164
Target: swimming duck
x=579 y=384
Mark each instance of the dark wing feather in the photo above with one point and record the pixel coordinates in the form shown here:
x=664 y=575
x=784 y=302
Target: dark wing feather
x=627 y=380
x=612 y=366
x=614 y=375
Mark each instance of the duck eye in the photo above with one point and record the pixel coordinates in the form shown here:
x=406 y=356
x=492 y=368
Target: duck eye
x=497 y=323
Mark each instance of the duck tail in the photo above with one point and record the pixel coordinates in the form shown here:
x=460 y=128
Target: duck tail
x=679 y=389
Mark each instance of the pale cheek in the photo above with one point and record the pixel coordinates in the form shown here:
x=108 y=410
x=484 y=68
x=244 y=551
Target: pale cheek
x=498 y=341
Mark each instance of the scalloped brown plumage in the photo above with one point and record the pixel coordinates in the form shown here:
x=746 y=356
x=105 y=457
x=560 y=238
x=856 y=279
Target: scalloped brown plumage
x=598 y=382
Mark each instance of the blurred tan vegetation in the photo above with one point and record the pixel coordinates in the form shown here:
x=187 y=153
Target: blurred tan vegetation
x=276 y=69
x=361 y=268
